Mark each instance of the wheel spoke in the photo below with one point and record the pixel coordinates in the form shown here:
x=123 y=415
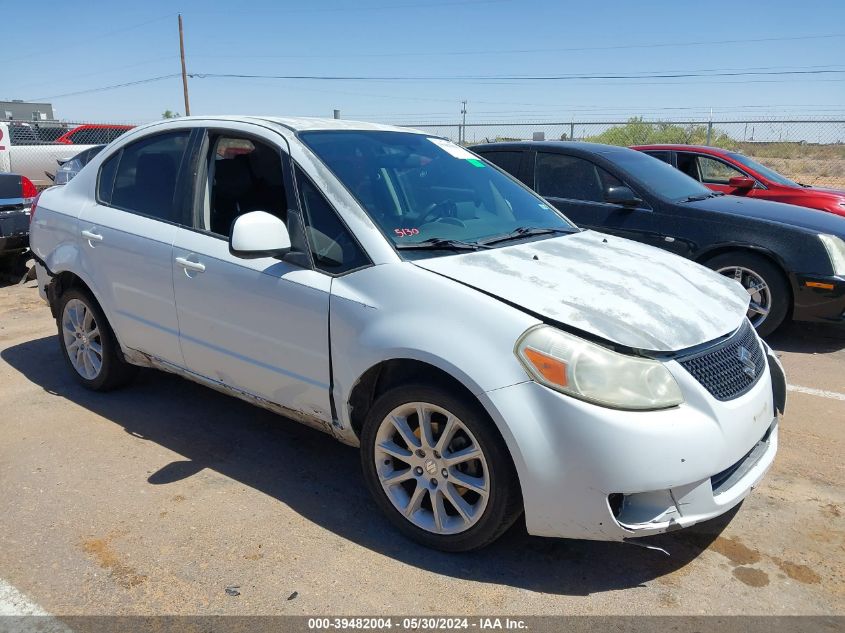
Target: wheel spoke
x=401 y=425
x=738 y=274
x=464 y=455
x=446 y=436
x=86 y=362
x=87 y=320
x=94 y=361
x=95 y=333
x=415 y=501
x=758 y=309
x=757 y=287
x=398 y=476
x=476 y=484
x=394 y=450
x=426 y=432
x=457 y=501
x=438 y=509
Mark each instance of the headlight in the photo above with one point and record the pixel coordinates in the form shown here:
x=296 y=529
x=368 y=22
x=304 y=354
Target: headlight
x=835 y=251
x=590 y=372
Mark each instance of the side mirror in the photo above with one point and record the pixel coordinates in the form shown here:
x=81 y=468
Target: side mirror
x=258 y=234
x=623 y=196
x=742 y=182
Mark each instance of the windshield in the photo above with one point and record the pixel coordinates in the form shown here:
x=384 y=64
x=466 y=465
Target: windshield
x=419 y=189
x=657 y=176
x=764 y=171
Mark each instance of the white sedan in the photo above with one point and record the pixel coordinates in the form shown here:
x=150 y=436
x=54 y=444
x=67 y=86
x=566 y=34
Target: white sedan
x=402 y=294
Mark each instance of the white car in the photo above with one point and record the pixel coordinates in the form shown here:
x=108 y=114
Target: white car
x=402 y=294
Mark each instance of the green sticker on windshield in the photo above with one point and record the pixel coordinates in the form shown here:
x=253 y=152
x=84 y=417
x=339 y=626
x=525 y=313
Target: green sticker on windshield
x=475 y=162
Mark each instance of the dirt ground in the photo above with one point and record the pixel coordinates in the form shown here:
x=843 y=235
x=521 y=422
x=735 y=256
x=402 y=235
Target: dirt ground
x=156 y=498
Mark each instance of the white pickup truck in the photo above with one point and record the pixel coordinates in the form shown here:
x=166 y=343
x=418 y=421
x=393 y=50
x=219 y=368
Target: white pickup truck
x=24 y=151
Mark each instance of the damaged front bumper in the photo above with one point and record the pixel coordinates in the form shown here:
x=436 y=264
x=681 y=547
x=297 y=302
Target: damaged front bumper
x=595 y=473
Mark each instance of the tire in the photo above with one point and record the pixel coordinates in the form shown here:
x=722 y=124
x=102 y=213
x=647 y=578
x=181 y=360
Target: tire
x=83 y=328
x=777 y=296
x=464 y=519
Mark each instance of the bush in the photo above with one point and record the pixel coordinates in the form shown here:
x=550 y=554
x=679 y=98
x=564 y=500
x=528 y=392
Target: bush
x=639 y=132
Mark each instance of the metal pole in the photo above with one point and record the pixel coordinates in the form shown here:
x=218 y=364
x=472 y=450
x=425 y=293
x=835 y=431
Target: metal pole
x=462 y=133
x=184 y=72
x=336 y=114
x=572 y=131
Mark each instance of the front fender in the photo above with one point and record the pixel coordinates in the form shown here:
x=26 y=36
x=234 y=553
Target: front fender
x=400 y=311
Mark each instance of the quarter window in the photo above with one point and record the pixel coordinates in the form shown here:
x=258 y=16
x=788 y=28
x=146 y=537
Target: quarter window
x=572 y=178
x=105 y=181
x=333 y=247
x=146 y=176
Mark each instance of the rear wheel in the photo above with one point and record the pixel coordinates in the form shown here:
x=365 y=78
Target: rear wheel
x=438 y=469
x=88 y=343
x=765 y=283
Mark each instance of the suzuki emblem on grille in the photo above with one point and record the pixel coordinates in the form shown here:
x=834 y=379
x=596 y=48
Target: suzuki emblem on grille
x=748 y=366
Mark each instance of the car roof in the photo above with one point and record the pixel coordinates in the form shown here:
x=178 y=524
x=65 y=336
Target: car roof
x=571 y=147
x=297 y=124
x=681 y=147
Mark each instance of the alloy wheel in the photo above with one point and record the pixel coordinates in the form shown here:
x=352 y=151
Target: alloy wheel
x=758 y=289
x=82 y=339
x=432 y=468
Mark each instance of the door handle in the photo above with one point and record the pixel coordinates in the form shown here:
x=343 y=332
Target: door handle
x=187 y=264
x=92 y=237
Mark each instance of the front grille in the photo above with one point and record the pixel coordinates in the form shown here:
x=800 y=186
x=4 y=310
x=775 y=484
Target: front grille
x=725 y=370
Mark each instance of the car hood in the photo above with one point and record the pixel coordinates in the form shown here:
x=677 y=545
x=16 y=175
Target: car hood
x=802 y=217
x=628 y=293
x=840 y=193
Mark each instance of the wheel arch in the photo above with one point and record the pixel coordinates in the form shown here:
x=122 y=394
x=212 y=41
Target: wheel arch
x=391 y=373
x=752 y=249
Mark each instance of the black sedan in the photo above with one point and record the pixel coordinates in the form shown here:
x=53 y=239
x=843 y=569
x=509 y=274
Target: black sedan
x=791 y=259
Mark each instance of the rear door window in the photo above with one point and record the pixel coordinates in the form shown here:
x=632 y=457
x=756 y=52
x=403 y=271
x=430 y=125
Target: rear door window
x=147 y=174
x=666 y=157
x=571 y=178
x=509 y=161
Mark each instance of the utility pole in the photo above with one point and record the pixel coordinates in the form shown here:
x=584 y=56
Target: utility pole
x=184 y=72
x=462 y=135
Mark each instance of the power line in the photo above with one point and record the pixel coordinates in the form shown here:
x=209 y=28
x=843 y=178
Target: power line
x=514 y=78
x=483 y=79
x=518 y=51
x=87 y=41
x=112 y=87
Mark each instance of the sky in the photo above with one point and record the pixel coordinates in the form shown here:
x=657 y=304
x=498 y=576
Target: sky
x=420 y=59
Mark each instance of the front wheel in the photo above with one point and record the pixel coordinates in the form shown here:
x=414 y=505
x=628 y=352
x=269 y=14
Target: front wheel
x=438 y=468
x=765 y=283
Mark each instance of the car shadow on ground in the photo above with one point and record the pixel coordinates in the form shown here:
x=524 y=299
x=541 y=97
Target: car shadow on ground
x=808 y=338
x=320 y=479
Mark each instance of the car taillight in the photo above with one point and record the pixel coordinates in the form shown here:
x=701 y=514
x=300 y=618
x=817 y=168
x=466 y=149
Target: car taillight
x=28 y=190
x=34 y=205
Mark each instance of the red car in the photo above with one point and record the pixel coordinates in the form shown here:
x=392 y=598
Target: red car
x=93 y=134
x=738 y=175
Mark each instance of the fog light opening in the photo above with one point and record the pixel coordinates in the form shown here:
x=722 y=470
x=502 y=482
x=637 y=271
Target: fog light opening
x=614 y=501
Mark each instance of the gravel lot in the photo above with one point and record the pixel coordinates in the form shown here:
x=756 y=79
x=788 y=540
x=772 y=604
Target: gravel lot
x=154 y=499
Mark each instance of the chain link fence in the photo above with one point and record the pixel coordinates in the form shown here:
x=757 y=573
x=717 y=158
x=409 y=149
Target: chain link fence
x=36 y=148
x=809 y=151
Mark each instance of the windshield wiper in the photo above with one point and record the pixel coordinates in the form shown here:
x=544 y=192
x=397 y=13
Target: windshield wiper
x=701 y=196
x=524 y=231
x=439 y=243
